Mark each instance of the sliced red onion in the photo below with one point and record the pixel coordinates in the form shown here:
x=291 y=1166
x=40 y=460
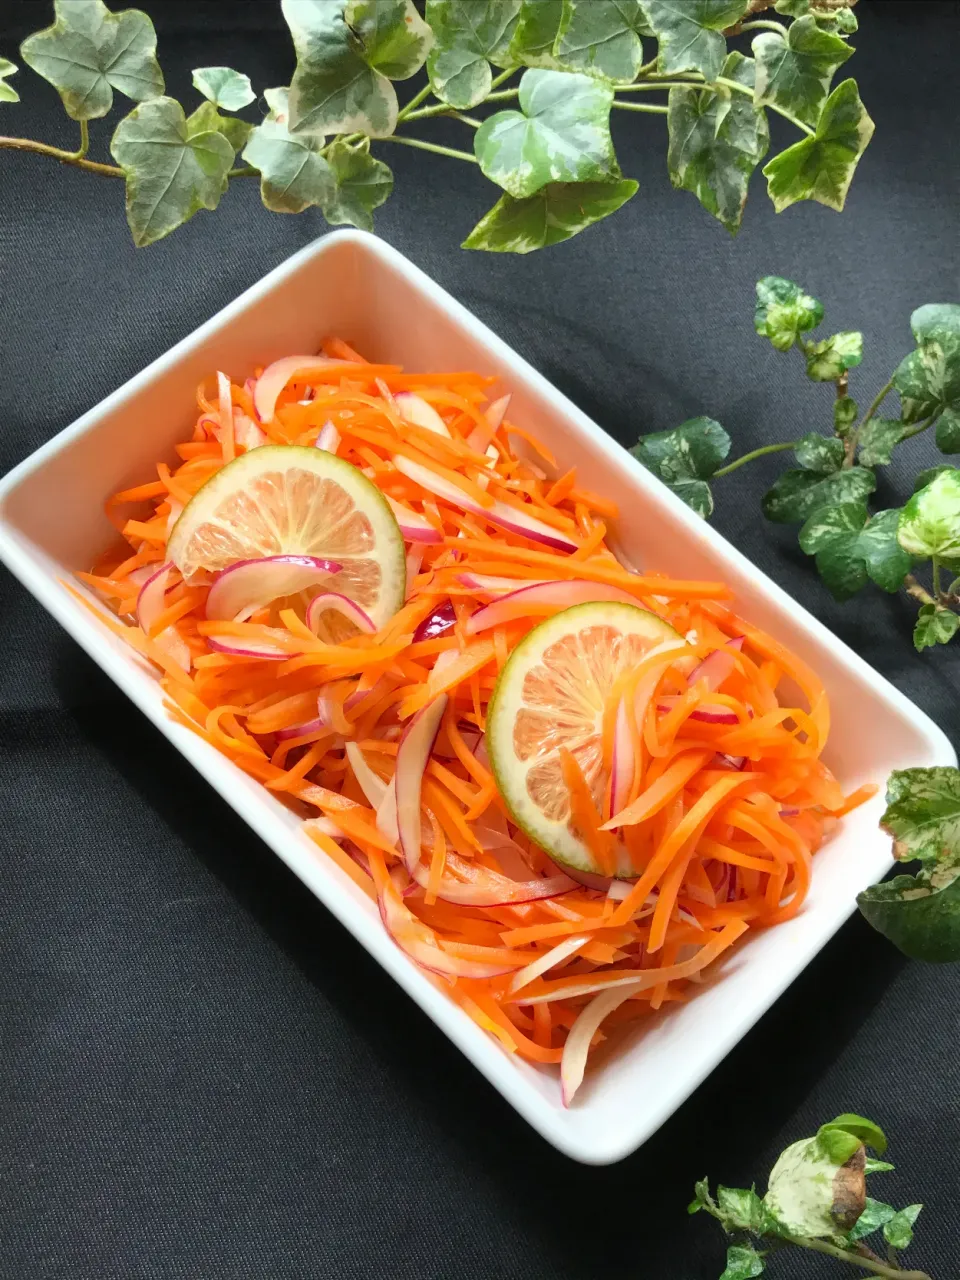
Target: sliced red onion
x=480 y=437
x=341 y=604
x=414 y=561
x=176 y=510
x=420 y=942
x=246 y=432
x=500 y=514
x=372 y=786
x=788 y=811
x=619 y=889
x=151 y=597
x=618 y=553
x=499 y=586
x=729 y=762
x=707 y=712
x=717 y=666
x=137 y=577
x=327 y=827
x=560 y=594
x=328 y=438
x=414 y=527
x=481 y=887
x=226 y=406
x=387 y=813
x=244 y=648
x=548 y=960
x=483 y=480
x=276 y=376
x=319 y=722
x=416 y=410
x=623 y=759
x=250 y=386
x=441 y=620
x=248 y=585
x=577 y=1044
x=413 y=754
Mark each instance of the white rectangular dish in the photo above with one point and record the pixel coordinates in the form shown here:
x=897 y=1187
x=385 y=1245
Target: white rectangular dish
x=52 y=523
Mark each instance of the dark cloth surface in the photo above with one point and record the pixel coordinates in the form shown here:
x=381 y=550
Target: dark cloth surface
x=201 y=1074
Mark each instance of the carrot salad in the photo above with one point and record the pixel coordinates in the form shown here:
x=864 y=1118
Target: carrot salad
x=694 y=805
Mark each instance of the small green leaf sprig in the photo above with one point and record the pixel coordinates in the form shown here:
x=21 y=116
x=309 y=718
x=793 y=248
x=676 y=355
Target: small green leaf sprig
x=547 y=143
x=816 y=1199
x=828 y=492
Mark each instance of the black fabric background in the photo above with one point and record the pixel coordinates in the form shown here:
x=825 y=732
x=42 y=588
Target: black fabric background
x=201 y=1074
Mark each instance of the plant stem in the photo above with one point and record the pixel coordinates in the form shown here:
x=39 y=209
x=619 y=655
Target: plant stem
x=431 y=146
x=414 y=102
x=498 y=80
x=646 y=86
x=247 y=171
x=856 y=1260
x=65 y=157
x=503 y=96
x=913 y=588
x=854 y=437
x=915 y=431
x=761 y=24
x=937 y=589
x=648 y=67
x=737 y=87
x=84 y=140
x=642 y=106
x=749 y=457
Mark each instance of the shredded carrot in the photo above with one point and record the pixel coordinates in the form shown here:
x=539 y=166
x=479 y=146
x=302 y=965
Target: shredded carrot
x=726 y=798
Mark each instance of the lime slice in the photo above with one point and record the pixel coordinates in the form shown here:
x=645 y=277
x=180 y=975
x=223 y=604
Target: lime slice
x=289 y=500
x=551 y=694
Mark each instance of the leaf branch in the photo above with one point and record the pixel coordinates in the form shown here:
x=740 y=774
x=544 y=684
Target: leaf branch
x=76 y=158
x=754 y=453
x=877 y=1267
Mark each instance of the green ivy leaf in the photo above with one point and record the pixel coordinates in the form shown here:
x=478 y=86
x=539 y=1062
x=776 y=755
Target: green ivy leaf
x=294 y=174
x=930 y=522
x=743 y=1263
x=689 y=32
x=469 y=35
x=7 y=91
x=875 y=1214
x=923 y=813
x=685 y=459
x=784 y=311
x=845 y=413
x=878 y=439
x=830 y=359
x=840 y=18
x=823 y=454
x=557 y=212
x=536 y=33
x=920 y=918
x=821 y=167
x=224 y=87
x=797 y=494
x=741 y=1208
x=867 y=1132
x=927 y=477
x=928 y=379
x=898 y=1230
x=89 y=52
x=601 y=38
x=849 y=549
x=794 y=72
x=348 y=52
x=560 y=134
x=361 y=184
x=877 y=1166
x=701 y=1196
x=172 y=166
x=207 y=118
x=716 y=142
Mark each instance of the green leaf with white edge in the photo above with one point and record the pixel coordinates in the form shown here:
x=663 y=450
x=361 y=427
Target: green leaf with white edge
x=875 y=1214
x=878 y=439
x=865 y=1131
x=821 y=167
x=797 y=494
x=877 y=1166
x=928 y=379
x=172 y=167
x=701 y=1196
x=90 y=51
x=823 y=454
x=830 y=359
x=7 y=92
x=887 y=562
x=554 y=214
x=468 y=36
x=685 y=457
x=918 y=916
x=716 y=142
x=845 y=413
x=898 y=1230
x=947 y=433
x=207 y=118
x=361 y=184
x=743 y=1263
x=741 y=1208
x=560 y=134
x=802 y=1188
x=294 y=175
x=689 y=32
x=784 y=311
x=930 y=522
x=601 y=38
x=923 y=813
x=538 y=27
x=224 y=87
x=923 y=478
x=840 y=19
x=849 y=548
x=348 y=52
x=794 y=71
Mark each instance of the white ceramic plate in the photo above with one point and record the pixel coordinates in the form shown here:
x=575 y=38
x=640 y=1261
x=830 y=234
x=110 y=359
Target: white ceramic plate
x=52 y=522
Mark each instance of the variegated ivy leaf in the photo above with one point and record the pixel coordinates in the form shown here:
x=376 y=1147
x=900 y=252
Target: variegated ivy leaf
x=878 y=439
x=7 y=91
x=536 y=33
x=689 y=32
x=685 y=459
x=743 y=1263
x=716 y=142
x=821 y=167
x=602 y=38
x=898 y=1230
x=224 y=87
x=930 y=522
x=875 y=1214
x=784 y=311
x=560 y=134
x=172 y=166
x=928 y=379
x=920 y=914
x=923 y=813
x=90 y=51
x=468 y=35
x=849 y=548
x=845 y=413
x=555 y=213
x=794 y=70
x=830 y=16
x=797 y=494
x=807 y=1191
x=348 y=52
x=361 y=184
x=207 y=118
x=294 y=175
x=823 y=454
x=831 y=358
